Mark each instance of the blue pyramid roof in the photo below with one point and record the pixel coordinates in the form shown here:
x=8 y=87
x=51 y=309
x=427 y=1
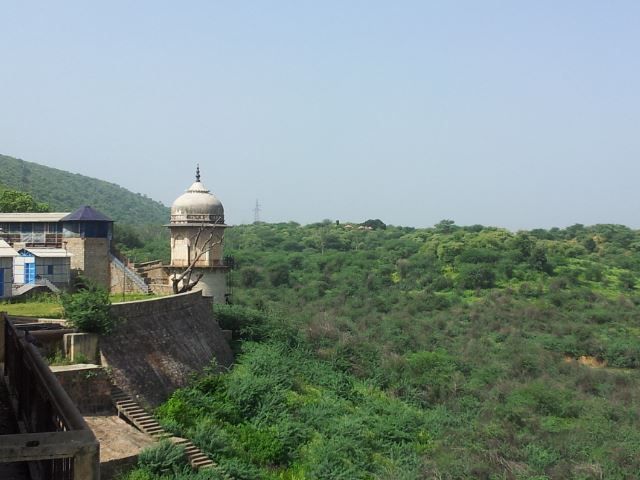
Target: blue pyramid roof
x=86 y=214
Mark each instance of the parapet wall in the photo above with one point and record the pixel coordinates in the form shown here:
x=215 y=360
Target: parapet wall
x=88 y=386
x=160 y=343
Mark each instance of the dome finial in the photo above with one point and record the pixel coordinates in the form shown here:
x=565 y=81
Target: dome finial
x=197 y=172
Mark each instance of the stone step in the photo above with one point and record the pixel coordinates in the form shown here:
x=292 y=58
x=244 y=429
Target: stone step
x=146 y=423
x=153 y=430
x=144 y=417
x=152 y=426
x=199 y=458
x=134 y=412
x=194 y=456
x=132 y=408
x=139 y=415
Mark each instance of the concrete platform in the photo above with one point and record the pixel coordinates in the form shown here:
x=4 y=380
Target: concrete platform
x=120 y=443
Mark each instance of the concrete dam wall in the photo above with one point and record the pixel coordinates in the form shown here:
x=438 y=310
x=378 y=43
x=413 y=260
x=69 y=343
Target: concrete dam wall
x=159 y=344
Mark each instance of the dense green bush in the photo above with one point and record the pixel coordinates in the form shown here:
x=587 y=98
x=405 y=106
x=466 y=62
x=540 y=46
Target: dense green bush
x=163 y=458
x=88 y=309
x=247 y=323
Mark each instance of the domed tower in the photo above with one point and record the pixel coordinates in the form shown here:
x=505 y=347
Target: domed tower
x=197 y=235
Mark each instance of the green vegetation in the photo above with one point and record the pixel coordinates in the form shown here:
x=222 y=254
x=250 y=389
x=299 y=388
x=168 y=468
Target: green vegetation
x=88 y=309
x=59 y=358
x=65 y=191
x=374 y=351
x=142 y=243
x=129 y=297
x=16 y=201
x=449 y=352
x=138 y=231
x=41 y=306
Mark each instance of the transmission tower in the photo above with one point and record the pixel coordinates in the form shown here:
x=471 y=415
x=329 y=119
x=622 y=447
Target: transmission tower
x=256 y=212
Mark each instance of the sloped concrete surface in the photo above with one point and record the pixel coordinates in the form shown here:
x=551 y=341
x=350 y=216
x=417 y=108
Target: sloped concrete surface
x=160 y=343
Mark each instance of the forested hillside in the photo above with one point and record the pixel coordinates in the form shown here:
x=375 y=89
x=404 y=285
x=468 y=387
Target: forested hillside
x=65 y=191
x=399 y=353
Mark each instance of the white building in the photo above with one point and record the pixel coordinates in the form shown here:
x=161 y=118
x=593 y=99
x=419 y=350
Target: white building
x=197 y=236
x=7 y=255
x=38 y=265
x=56 y=244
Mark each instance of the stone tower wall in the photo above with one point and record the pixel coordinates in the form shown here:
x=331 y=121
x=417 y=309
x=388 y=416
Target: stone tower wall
x=214 y=284
x=183 y=245
x=90 y=258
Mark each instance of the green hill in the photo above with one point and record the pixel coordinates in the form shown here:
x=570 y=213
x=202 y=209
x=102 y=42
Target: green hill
x=65 y=191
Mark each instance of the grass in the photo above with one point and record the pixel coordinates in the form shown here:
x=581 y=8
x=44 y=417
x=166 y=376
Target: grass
x=48 y=306
x=130 y=297
x=37 y=308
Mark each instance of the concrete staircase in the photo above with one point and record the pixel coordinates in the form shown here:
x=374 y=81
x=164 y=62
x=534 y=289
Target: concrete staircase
x=153 y=274
x=41 y=284
x=130 y=410
x=132 y=277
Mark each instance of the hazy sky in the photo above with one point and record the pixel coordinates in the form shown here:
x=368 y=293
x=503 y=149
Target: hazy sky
x=520 y=114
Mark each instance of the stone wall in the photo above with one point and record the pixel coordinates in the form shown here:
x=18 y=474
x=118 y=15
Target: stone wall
x=90 y=257
x=97 y=261
x=158 y=277
x=160 y=343
x=213 y=283
x=6 y=270
x=75 y=247
x=156 y=273
x=87 y=385
x=118 y=278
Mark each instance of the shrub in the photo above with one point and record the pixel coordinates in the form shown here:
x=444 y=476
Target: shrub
x=262 y=445
x=88 y=310
x=278 y=274
x=240 y=469
x=476 y=276
x=246 y=322
x=250 y=276
x=163 y=458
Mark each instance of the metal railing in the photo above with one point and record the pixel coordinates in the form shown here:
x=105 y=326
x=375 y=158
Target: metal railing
x=38 y=282
x=130 y=274
x=50 y=240
x=56 y=441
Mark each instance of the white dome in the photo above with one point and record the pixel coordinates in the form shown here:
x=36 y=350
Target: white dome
x=197 y=205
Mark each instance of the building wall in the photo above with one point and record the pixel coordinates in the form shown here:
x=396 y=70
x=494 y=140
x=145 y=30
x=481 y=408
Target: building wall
x=184 y=247
x=19 y=268
x=91 y=258
x=61 y=271
x=6 y=264
x=213 y=283
x=75 y=246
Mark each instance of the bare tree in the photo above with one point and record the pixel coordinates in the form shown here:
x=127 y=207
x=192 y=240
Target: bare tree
x=186 y=276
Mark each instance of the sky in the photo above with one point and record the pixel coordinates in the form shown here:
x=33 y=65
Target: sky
x=517 y=114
